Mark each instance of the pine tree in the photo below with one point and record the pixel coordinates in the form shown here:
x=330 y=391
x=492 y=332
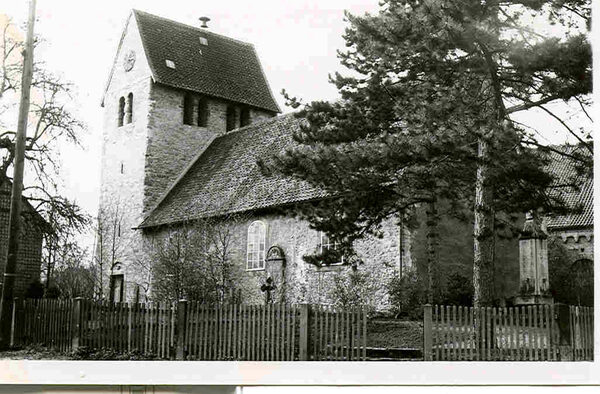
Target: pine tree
x=430 y=117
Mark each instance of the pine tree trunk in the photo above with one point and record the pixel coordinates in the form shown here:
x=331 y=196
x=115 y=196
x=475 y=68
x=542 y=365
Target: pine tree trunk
x=432 y=222
x=483 y=252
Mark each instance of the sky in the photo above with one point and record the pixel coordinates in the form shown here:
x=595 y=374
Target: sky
x=296 y=42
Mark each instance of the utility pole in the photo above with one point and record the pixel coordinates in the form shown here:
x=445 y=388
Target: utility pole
x=17 y=187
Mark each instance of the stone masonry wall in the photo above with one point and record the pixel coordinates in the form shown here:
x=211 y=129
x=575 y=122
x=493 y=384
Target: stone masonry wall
x=300 y=282
x=123 y=162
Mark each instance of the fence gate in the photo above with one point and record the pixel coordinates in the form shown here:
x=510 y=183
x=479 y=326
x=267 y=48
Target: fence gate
x=524 y=333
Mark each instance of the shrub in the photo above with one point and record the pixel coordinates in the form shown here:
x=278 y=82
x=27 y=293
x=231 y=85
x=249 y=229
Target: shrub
x=52 y=292
x=35 y=290
x=407 y=295
x=459 y=290
x=354 y=288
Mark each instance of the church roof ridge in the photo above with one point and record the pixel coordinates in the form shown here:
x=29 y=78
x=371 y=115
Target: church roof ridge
x=199 y=29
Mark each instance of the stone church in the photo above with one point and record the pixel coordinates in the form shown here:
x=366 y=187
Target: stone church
x=187 y=114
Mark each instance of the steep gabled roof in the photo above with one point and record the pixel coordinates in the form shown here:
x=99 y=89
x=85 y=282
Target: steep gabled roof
x=225 y=68
x=226 y=177
x=27 y=209
x=580 y=198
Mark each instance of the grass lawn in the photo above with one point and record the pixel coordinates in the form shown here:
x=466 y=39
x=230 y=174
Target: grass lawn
x=33 y=353
x=394 y=333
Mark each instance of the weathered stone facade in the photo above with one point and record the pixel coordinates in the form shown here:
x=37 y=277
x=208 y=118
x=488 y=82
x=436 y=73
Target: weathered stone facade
x=299 y=282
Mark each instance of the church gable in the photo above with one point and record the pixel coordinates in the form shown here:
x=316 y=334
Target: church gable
x=130 y=63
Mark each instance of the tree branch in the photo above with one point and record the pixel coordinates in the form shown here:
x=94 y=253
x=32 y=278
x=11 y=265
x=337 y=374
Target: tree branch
x=568 y=128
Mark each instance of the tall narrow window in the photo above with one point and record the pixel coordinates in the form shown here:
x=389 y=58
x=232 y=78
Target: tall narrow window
x=129 y=109
x=244 y=117
x=188 y=109
x=202 y=112
x=121 y=111
x=230 y=118
x=256 y=246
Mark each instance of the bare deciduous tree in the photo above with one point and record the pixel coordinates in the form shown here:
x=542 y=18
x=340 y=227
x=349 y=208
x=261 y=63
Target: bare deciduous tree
x=196 y=261
x=110 y=246
x=51 y=123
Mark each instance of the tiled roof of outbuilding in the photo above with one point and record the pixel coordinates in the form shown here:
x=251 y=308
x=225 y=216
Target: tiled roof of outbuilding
x=580 y=198
x=226 y=177
x=225 y=68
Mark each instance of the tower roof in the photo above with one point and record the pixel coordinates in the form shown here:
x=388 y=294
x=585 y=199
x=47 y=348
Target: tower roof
x=204 y=62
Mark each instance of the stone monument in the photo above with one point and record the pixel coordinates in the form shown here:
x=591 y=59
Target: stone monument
x=534 y=283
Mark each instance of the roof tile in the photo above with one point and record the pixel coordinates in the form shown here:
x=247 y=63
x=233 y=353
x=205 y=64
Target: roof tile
x=580 y=198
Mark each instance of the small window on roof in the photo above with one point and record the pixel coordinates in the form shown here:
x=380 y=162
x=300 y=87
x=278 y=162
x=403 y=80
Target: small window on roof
x=170 y=63
x=203 y=41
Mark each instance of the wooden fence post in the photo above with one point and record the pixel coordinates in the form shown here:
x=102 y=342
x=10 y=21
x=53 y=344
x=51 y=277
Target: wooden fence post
x=427 y=332
x=562 y=319
x=181 y=313
x=77 y=323
x=304 y=328
x=15 y=315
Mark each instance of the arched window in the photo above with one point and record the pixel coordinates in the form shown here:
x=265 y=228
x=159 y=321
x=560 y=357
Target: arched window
x=230 y=118
x=244 y=117
x=129 y=109
x=202 y=112
x=326 y=245
x=121 y=111
x=188 y=109
x=255 y=253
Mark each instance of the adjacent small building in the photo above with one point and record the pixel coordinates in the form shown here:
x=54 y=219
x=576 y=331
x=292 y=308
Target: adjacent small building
x=30 y=246
x=576 y=230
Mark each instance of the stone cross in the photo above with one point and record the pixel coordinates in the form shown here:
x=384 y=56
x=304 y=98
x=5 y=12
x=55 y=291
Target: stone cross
x=268 y=287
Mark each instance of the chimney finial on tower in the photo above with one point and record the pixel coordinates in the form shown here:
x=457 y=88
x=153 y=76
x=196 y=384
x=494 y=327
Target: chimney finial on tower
x=204 y=19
